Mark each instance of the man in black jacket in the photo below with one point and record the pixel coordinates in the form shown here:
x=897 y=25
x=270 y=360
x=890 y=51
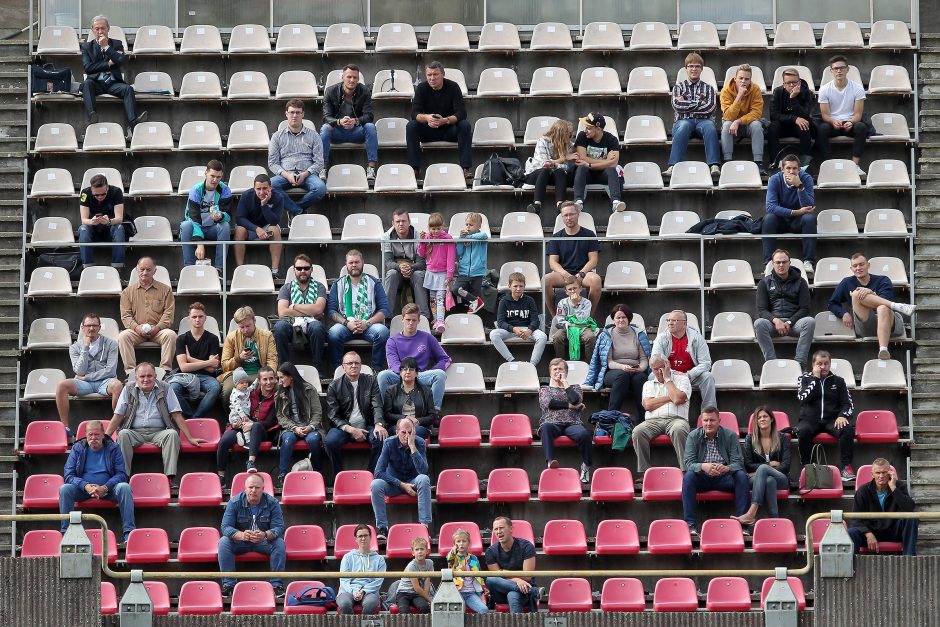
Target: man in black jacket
x=884 y=493
x=102 y=58
x=438 y=114
x=347 y=118
x=791 y=109
x=783 y=309
x=354 y=407
x=825 y=407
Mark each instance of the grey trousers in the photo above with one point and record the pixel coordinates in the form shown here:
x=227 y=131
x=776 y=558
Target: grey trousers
x=167 y=439
x=705 y=384
x=392 y=283
x=676 y=428
x=802 y=328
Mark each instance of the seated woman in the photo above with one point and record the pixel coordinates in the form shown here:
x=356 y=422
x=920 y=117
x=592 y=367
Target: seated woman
x=767 y=462
x=264 y=426
x=551 y=164
x=409 y=398
x=299 y=413
x=562 y=405
x=620 y=362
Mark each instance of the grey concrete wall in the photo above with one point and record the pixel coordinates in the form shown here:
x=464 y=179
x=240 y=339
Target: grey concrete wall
x=31 y=593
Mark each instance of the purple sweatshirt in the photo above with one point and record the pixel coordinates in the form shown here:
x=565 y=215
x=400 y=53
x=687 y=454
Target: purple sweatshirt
x=423 y=346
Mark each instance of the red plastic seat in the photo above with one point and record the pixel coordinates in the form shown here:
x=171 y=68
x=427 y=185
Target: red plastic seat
x=570 y=594
x=669 y=535
x=305 y=542
x=238 y=482
x=109 y=602
x=296 y=587
x=200 y=598
x=675 y=594
x=147 y=546
x=510 y=430
x=728 y=594
x=508 y=485
x=863 y=475
x=303 y=487
x=714 y=495
x=617 y=537
x=564 y=537
x=612 y=484
x=445 y=539
x=458 y=485
x=205 y=428
x=253 y=597
x=159 y=596
x=150 y=489
x=796 y=584
x=884 y=547
x=80 y=432
x=400 y=536
x=352 y=487
x=727 y=419
x=200 y=488
x=662 y=483
x=459 y=430
x=623 y=594
x=722 y=535
x=41 y=543
x=783 y=421
x=876 y=426
x=560 y=484
x=835 y=492
x=45 y=437
x=520 y=529
x=96 y=544
x=42 y=491
x=818 y=528
x=198 y=544
x=345 y=541
x=824 y=438
x=774 y=535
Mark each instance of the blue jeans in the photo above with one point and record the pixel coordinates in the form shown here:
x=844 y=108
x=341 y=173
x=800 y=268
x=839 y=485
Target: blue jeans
x=381 y=488
x=121 y=494
x=289 y=439
x=683 y=130
x=219 y=232
x=336 y=438
x=229 y=548
x=474 y=602
x=316 y=336
x=377 y=335
x=695 y=482
x=88 y=234
x=209 y=386
x=365 y=134
x=764 y=485
x=315 y=186
x=903 y=531
x=435 y=379
x=581 y=436
x=506 y=590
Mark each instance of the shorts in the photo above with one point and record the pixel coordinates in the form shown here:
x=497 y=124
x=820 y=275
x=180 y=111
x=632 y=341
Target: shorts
x=253 y=234
x=869 y=328
x=84 y=388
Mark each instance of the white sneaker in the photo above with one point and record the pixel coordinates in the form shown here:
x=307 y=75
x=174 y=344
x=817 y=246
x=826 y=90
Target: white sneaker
x=861 y=172
x=618 y=205
x=906 y=309
x=370 y=173
x=580 y=204
x=715 y=170
x=808 y=269
x=323 y=174
x=884 y=355
x=667 y=171
x=585 y=473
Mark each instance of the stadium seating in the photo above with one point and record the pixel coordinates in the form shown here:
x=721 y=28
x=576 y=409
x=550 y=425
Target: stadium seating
x=305 y=542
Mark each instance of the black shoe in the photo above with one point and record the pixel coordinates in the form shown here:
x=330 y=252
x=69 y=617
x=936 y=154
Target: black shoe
x=279 y=592
x=761 y=169
x=382 y=533
x=223 y=480
x=279 y=482
x=805 y=161
x=693 y=531
x=139 y=119
x=227 y=589
x=174 y=484
x=535 y=208
x=93 y=117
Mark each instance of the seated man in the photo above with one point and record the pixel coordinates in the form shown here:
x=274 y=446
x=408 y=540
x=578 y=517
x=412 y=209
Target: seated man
x=101 y=207
x=873 y=310
x=301 y=304
x=825 y=407
x=197 y=353
x=884 y=493
x=686 y=351
x=147 y=309
x=94 y=360
x=438 y=114
x=577 y=257
x=402 y=469
x=783 y=309
x=598 y=153
x=102 y=60
x=357 y=303
x=253 y=523
x=842 y=107
x=403 y=263
x=258 y=216
x=361 y=591
x=790 y=208
x=694 y=102
x=424 y=348
x=741 y=107
x=791 y=115
x=208 y=217
x=354 y=409
x=295 y=157
x=348 y=118
x=713 y=461
x=666 y=400
x=249 y=347
x=95 y=470
x=509 y=553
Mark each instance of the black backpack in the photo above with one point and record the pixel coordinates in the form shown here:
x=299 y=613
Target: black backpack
x=502 y=171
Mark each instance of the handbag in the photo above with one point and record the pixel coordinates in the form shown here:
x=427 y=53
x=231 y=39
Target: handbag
x=47 y=79
x=70 y=261
x=818 y=473
x=502 y=171
x=316 y=596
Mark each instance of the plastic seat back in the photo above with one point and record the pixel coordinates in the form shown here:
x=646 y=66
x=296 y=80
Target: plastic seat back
x=147 y=545
x=352 y=487
x=459 y=430
x=253 y=597
x=41 y=543
x=559 y=484
x=623 y=594
x=200 y=489
x=668 y=536
x=720 y=535
x=612 y=484
x=198 y=544
x=675 y=594
x=570 y=594
x=507 y=485
x=200 y=598
x=150 y=489
x=774 y=535
x=564 y=537
x=458 y=485
x=304 y=487
x=728 y=594
x=617 y=537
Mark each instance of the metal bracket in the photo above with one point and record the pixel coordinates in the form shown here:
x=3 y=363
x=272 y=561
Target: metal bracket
x=836 y=550
x=556 y=622
x=371 y=622
x=75 y=556
x=136 y=606
x=780 y=607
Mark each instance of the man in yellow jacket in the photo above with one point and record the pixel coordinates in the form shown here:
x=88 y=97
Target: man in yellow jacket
x=741 y=107
x=247 y=346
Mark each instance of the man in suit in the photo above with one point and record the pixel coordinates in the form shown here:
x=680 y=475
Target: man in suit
x=102 y=58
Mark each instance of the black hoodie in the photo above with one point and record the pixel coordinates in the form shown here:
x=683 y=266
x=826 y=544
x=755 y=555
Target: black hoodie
x=783 y=108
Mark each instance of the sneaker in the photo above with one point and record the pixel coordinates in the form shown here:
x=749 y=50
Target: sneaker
x=667 y=172
x=693 y=531
x=761 y=169
x=223 y=481
x=439 y=327
x=279 y=592
x=382 y=533
x=715 y=170
x=279 y=482
x=905 y=309
x=617 y=206
x=553 y=464
x=250 y=467
x=580 y=204
x=323 y=174
x=475 y=306
x=275 y=274
x=370 y=173
x=534 y=207
x=227 y=589
x=585 y=473
x=861 y=172
x=848 y=473
x=808 y=269
x=69 y=438
x=467 y=173
x=140 y=119
x=884 y=355
x=805 y=161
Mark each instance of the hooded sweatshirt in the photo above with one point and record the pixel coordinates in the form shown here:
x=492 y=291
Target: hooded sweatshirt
x=354 y=562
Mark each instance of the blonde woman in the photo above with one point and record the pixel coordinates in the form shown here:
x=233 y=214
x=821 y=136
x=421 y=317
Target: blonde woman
x=550 y=164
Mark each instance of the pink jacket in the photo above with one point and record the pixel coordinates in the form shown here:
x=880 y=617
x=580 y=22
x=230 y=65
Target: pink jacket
x=442 y=256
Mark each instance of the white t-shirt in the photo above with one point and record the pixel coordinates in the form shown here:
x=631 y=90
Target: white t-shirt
x=841 y=103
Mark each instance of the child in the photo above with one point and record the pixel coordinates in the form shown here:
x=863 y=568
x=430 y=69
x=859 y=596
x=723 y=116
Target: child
x=517 y=315
x=440 y=269
x=460 y=558
x=573 y=323
x=471 y=262
x=416 y=592
x=239 y=406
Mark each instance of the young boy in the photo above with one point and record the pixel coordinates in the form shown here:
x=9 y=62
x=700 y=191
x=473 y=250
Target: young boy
x=416 y=591
x=239 y=406
x=573 y=324
x=518 y=316
x=471 y=262
x=460 y=558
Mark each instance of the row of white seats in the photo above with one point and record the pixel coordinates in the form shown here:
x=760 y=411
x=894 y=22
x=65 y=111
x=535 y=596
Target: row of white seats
x=784 y=374
x=495 y=36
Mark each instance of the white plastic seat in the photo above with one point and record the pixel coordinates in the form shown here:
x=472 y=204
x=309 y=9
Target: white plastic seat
x=161 y=274
x=585 y=220
x=150 y=181
x=153 y=136
x=296 y=38
x=794 y=34
x=458 y=220
x=853 y=75
x=251 y=279
x=831 y=270
x=610 y=126
x=109 y=328
x=248 y=86
x=698 y=35
x=642 y=175
x=644 y=129
x=152 y=229
x=362 y=226
x=650 y=36
x=463 y=329
x=625 y=275
x=891 y=34
x=153 y=85
x=49 y=281
x=211 y=325
x=834 y=221
x=838 y=173
x=879 y=221
x=577 y=372
x=249 y=39
x=442 y=177
x=520 y=225
x=200 y=135
x=780 y=374
x=677 y=222
x=739 y=175
x=891 y=267
x=154 y=39
x=55 y=137
x=199 y=280
x=887 y=173
x=310 y=227
x=599 y=81
x=843 y=368
x=248 y=135
x=448 y=36
x=732 y=326
x=457 y=76
x=498 y=82
x=707 y=76
x=52 y=231
x=802 y=70
x=99 y=281
x=603 y=36
x=730 y=214
x=732 y=274
x=842 y=34
x=744 y=35
x=464 y=377
x=347 y=178
x=200 y=86
x=732 y=374
x=631 y=224
x=690 y=317
x=57 y=40
x=537 y=127
x=493 y=131
x=391 y=132
x=317 y=273
x=104 y=137
x=499 y=36
x=48 y=333
x=201 y=39
x=296 y=84
x=517 y=376
x=189 y=177
x=528 y=269
x=757 y=76
x=52 y=182
x=344 y=38
x=690 y=175
x=382 y=88
x=883 y=374
x=890 y=127
x=242 y=177
x=678 y=274
x=112 y=174
x=396 y=37
x=41 y=384
x=550 y=36
x=829 y=327
x=395 y=177
x=551 y=81
x=648 y=81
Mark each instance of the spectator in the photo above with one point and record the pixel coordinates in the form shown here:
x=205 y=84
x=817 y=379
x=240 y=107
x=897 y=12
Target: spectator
x=410 y=399
x=573 y=257
x=573 y=325
x=95 y=470
x=102 y=61
x=354 y=409
x=742 y=105
x=551 y=164
x=666 y=400
x=440 y=258
x=295 y=157
x=402 y=469
x=790 y=208
x=301 y=418
x=561 y=406
x=430 y=359
x=147 y=411
x=712 y=462
x=791 y=115
x=248 y=347
x=826 y=407
x=620 y=361
x=509 y=553
x=687 y=352
x=767 y=463
x=261 y=420
x=361 y=591
x=301 y=303
x=597 y=154
x=517 y=315
x=101 y=207
x=258 y=216
x=842 y=107
x=197 y=353
x=694 y=102
x=471 y=263
x=403 y=263
x=783 y=309
x=460 y=558
x=253 y=523
x=347 y=118
x=416 y=592
x=147 y=308
x=438 y=114
x=873 y=310
x=884 y=493
x=94 y=360
x=208 y=217
x=357 y=303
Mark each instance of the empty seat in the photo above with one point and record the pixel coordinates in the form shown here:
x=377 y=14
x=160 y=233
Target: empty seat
x=147 y=545
x=745 y=34
x=843 y=368
x=796 y=585
x=464 y=377
x=559 y=484
x=56 y=137
x=691 y=175
x=99 y=281
x=248 y=86
x=510 y=430
x=303 y=488
x=200 y=135
x=201 y=39
x=48 y=333
x=499 y=36
x=457 y=485
x=396 y=37
x=296 y=38
x=97 y=545
x=830 y=327
x=498 y=82
x=891 y=34
x=251 y=279
x=344 y=38
x=675 y=594
x=152 y=229
x=647 y=81
x=52 y=232
x=732 y=326
x=400 y=537
x=732 y=274
x=803 y=71
x=678 y=275
x=602 y=36
x=150 y=489
x=645 y=129
x=49 y=281
x=391 y=132
x=459 y=430
x=612 y=484
x=150 y=181
x=728 y=594
x=628 y=224
x=842 y=34
x=722 y=535
x=348 y=177
x=599 y=81
x=570 y=594
x=249 y=39
x=41 y=543
x=889 y=127
x=617 y=537
x=200 y=598
x=891 y=267
x=794 y=34
x=362 y=226
x=401 y=87
x=508 y=485
x=444 y=177
x=57 y=40
x=52 y=182
x=830 y=271
x=205 y=428
x=550 y=36
x=493 y=132
x=253 y=597
x=352 y=487
x=198 y=280
x=774 y=535
x=200 y=86
x=395 y=177
x=156 y=136
x=198 y=544
x=835 y=492
x=668 y=536
x=305 y=542
x=677 y=222
x=445 y=537
x=650 y=36
x=780 y=374
x=887 y=173
x=625 y=275
x=296 y=84
x=564 y=537
x=42 y=492
x=517 y=377
x=41 y=384
x=698 y=35
x=109 y=602
x=520 y=225
x=448 y=36
x=836 y=221
x=838 y=173
x=662 y=483
x=739 y=175
x=154 y=39
x=622 y=594
x=881 y=374
x=200 y=489
x=876 y=426
x=640 y=175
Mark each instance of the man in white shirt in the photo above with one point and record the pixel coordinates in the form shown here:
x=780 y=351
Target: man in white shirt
x=666 y=400
x=842 y=104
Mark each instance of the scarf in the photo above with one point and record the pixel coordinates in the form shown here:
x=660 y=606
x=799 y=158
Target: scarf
x=466 y=562
x=575 y=326
x=357 y=302
x=299 y=297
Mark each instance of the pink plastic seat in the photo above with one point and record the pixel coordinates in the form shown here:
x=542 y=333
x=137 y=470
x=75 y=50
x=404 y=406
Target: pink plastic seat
x=508 y=485
x=150 y=489
x=796 y=584
x=774 y=535
x=623 y=594
x=727 y=419
x=305 y=542
x=200 y=489
x=96 y=544
x=662 y=483
x=783 y=421
x=147 y=546
x=835 y=492
x=159 y=596
x=45 y=437
x=876 y=426
x=205 y=428
x=303 y=487
x=564 y=537
x=560 y=484
x=41 y=543
x=198 y=544
x=352 y=487
x=722 y=535
x=669 y=535
x=297 y=587
x=458 y=485
x=238 y=483
x=819 y=528
x=109 y=602
x=459 y=430
x=445 y=537
x=864 y=475
x=675 y=594
x=510 y=430
x=520 y=529
x=42 y=491
x=617 y=537
x=570 y=594
x=253 y=597
x=612 y=484
x=200 y=598
x=400 y=536
x=728 y=594
x=345 y=541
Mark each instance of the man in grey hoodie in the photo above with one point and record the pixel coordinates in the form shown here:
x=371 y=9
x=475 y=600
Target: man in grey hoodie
x=362 y=591
x=686 y=351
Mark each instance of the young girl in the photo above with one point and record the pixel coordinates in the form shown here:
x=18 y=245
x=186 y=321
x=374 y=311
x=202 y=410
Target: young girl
x=549 y=164
x=460 y=558
x=440 y=269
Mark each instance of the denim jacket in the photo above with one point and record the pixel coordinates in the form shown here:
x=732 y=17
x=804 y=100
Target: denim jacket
x=238 y=515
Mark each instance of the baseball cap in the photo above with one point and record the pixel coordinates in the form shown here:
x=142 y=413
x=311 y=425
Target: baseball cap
x=594 y=119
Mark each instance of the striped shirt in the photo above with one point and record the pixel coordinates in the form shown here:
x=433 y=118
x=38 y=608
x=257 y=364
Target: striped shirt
x=699 y=100
x=295 y=152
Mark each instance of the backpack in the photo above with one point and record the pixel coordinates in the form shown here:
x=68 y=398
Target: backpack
x=502 y=171
x=316 y=596
x=46 y=79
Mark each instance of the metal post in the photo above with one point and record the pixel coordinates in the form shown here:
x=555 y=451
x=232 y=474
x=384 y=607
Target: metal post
x=836 y=549
x=75 y=551
x=136 y=606
x=447 y=607
x=780 y=606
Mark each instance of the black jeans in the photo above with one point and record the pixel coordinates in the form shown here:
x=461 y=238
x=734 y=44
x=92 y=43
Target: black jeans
x=808 y=429
x=622 y=385
x=583 y=175
x=780 y=129
x=541 y=179
x=858 y=132
x=461 y=132
x=581 y=436
x=258 y=436
x=92 y=88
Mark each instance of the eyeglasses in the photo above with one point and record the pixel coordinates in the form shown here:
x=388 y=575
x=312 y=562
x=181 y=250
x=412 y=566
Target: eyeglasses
x=99 y=194
x=791 y=83
x=363 y=536
x=92 y=326
x=303 y=268
x=352 y=363
x=674 y=320
x=841 y=68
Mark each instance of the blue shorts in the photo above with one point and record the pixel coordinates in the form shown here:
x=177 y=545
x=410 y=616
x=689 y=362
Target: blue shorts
x=253 y=235
x=84 y=388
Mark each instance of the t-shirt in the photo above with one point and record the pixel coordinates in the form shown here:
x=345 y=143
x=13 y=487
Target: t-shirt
x=105 y=206
x=679 y=358
x=253 y=364
x=200 y=349
x=95 y=470
x=206 y=208
x=356 y=419
x=512 y=559
x=841 y=103
x=573 y=254
x=413 y=567
x=599 y=150
x=882 y=497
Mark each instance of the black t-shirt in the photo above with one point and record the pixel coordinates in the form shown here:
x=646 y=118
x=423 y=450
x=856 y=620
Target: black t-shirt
x=573 y=254
x=512 y=559
x=106 y=206
x=205 y=347
x=607 y=144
